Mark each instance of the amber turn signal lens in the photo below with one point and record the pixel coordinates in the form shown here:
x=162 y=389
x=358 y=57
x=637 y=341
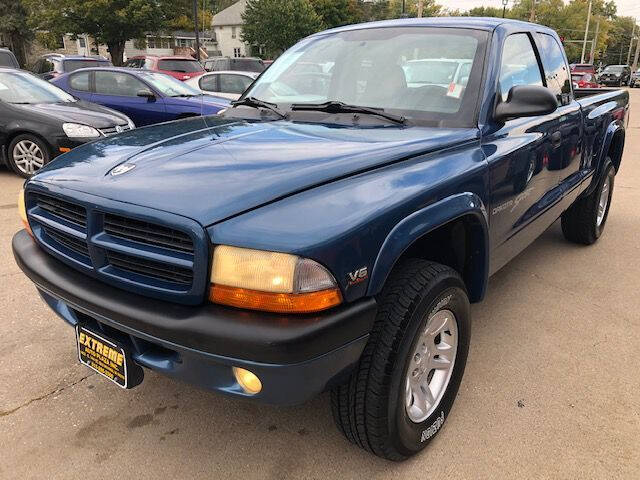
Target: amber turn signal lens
x=22 y=208
x=275 y=302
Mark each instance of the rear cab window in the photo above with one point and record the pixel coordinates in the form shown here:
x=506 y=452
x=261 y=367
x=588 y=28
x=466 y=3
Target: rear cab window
x=180 y=65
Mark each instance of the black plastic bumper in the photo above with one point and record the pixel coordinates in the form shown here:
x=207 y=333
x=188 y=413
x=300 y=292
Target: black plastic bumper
x=296 y=356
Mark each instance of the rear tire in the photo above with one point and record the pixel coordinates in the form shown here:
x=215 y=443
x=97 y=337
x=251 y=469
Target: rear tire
x=585 y=220
x=384 y=407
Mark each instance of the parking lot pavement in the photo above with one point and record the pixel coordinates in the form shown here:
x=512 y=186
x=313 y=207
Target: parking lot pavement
x=550 y=391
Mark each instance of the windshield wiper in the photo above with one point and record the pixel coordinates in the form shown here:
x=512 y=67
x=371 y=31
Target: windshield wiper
x=334 y=106
x=257 y=103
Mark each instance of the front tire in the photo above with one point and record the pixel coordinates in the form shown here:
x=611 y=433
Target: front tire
x=403 y=389
x=27 y=154
x=585 y=220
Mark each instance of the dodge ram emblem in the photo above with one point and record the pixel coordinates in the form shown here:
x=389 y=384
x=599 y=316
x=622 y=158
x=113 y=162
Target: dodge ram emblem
x=124 y=168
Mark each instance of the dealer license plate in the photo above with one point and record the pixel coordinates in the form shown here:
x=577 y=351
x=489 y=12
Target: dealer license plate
x=102 y=355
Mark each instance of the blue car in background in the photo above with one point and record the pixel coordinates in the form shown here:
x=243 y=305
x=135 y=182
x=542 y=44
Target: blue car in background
x=145 y=96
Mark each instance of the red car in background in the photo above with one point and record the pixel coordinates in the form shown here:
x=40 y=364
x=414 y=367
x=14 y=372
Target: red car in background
x=582 y=68
x=182 y=68
x=584 y=80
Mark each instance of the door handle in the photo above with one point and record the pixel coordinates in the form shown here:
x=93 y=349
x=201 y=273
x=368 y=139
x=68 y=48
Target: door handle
x=556 y=138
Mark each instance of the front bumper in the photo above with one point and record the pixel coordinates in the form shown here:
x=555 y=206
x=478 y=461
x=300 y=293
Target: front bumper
x=295 y=356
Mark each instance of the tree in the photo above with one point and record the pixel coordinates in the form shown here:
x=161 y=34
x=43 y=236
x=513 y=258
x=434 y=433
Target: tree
x=333 y=13
x=429 y=8
x=14 y=27
x=111 y=22
x=278 y=24
x=485 y=12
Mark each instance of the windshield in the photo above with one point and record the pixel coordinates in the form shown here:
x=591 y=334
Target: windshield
x=168 y=85
x=613 y=69
x=73 y=65
x=27 y=89
x=410 y=71
x=178 y=65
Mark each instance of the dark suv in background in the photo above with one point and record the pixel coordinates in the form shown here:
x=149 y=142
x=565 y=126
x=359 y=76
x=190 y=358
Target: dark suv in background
x=53 y=64
x=8 y=59
x=615 y=75
x=244 y=64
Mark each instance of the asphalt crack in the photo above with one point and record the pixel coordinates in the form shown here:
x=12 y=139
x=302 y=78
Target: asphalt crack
x=46 y=395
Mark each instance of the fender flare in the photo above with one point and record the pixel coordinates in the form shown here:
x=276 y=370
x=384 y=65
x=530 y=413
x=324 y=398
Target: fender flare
x=425 y=220
x=612 y=129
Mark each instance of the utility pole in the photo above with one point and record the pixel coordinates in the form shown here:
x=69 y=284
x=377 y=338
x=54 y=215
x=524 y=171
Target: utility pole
x=504 y=7
x=420 y=8
x=195 y=23
x=631 y=41
x=586 y=32
x=532 y=15
x=594 y=42
x=635 y=58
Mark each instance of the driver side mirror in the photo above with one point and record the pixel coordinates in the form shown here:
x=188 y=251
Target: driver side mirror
x=148 y=94
x=526 y=101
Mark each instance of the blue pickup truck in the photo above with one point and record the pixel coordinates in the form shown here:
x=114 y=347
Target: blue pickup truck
x=330 y=229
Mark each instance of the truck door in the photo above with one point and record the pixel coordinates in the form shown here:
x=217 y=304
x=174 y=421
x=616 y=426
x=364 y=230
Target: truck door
x=518 y=154
x=566 y=133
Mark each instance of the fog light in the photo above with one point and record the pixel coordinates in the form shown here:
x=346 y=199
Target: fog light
x=249 y=382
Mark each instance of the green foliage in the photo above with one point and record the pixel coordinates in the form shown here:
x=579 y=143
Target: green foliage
x=485 y=12
x=333 y=13
x=429 y=9
x=14 y=26
x=278 y=24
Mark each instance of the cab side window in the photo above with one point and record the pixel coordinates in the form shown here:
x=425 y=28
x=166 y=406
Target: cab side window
x=519 y=65
x=556 y=69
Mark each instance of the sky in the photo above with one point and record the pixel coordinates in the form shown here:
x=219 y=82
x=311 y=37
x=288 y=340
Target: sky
x=629 y=8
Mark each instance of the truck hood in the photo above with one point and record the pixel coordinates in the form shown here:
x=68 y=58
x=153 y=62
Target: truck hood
x=210 y=169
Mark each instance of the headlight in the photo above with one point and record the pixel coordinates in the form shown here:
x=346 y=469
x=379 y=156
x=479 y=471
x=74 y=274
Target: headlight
x=22 y=208
x=77 y=130
x=271 y=281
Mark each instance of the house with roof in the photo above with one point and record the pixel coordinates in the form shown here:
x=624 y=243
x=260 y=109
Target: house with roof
x=227 y=26
x=178 y=42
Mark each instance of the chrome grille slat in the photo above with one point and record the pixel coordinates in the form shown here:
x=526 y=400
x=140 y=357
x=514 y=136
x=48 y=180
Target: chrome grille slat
x=147 y=233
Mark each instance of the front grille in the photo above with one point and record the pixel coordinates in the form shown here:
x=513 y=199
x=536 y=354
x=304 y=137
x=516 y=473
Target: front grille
x=72 y=243
x=113 y=130
x=65 y=210
x=147 y=233
x=161 y=260
x=149 y=268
